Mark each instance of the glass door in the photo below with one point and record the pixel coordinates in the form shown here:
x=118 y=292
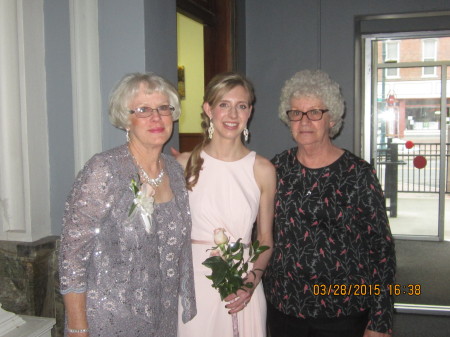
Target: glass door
x=409 y=133
x=407 y=138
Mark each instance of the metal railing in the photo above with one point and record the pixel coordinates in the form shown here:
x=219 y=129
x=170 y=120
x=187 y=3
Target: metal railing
x=397 y=173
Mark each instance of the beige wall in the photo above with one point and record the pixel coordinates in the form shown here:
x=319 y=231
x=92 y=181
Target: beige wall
x=190 y=55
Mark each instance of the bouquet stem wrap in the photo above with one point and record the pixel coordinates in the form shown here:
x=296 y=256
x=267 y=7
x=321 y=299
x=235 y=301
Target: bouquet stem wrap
x=235 y=325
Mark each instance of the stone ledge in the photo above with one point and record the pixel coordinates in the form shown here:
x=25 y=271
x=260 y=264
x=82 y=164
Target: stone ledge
x=29 y=283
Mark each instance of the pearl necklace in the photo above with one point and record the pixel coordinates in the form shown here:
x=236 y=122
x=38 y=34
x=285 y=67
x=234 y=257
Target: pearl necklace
x=155 y=182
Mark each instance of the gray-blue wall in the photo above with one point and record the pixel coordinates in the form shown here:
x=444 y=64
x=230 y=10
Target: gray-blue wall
x=285 y=36
x=276 y=39
x=122 y=51
x=134 y=35
x=59 y=106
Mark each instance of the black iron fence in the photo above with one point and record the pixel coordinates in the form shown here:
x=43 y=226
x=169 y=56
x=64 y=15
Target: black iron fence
x=397 y=173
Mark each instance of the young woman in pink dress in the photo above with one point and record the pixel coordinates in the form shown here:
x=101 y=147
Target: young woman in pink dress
x=233 y=188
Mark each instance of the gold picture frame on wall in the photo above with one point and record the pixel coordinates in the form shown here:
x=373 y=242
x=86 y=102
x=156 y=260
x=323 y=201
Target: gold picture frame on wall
x=181 y=83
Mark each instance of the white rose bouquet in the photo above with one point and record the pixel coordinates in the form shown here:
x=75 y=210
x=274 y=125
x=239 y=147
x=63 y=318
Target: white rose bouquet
x=228 y=266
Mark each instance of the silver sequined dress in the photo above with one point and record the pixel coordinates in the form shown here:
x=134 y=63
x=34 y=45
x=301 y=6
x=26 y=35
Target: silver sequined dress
x=132 y=279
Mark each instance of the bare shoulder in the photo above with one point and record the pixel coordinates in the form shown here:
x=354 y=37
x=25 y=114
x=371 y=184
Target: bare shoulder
x=183 y=158
x=264 y=171
x=264 y=165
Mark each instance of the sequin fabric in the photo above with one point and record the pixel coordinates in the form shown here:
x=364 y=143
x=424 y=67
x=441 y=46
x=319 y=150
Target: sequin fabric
x=132 y=279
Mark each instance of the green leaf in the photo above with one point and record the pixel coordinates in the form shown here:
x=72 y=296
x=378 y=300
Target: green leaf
x=236 y=283
x=223 y=293
x=261 y=249
x=238 y=256
x=235 y=267
x=134 y=186
x=236 y=246
x=219 y=269
x=215 y=262
x=218 y=276
x=132 y=208
x=227 y=270
x=258 y=250
x=248 y=285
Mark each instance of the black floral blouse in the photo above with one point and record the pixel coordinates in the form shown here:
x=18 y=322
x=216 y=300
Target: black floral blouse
x=333 y=252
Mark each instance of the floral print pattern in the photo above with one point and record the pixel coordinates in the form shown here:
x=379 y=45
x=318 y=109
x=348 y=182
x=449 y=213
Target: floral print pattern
x=330 y=229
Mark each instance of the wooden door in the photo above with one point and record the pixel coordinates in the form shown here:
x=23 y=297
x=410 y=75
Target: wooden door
x=218 y=18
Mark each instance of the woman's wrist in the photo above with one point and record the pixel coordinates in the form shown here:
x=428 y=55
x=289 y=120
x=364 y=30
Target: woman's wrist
x=77 y=330
x=257 y=273
x=254 y=277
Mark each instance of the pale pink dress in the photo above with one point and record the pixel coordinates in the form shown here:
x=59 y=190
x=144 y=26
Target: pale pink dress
x=226 y=196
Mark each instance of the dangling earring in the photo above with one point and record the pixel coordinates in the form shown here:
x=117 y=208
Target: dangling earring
x=128 y=136
x=245 y=132
x=210 y=129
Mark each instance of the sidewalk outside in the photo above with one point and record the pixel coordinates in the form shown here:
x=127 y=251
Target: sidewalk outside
x=417 y=214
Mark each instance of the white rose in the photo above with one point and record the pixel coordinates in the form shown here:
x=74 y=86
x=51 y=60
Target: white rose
x=144 y=199
x=219 y=236
x=215 y=252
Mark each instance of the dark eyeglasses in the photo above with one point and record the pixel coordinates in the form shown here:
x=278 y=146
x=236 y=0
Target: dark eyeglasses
x=313 y=115
x=145 y=111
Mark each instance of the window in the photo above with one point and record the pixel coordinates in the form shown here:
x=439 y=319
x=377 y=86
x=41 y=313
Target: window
x=429 y=48
x=391 y=50
x=24 y=167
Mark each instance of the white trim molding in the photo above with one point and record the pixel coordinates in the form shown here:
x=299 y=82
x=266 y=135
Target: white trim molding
x=87 y=114
x=24 y=164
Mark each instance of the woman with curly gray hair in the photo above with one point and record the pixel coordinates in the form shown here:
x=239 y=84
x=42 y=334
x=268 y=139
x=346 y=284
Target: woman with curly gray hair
x=333 y=256
x=313 y=84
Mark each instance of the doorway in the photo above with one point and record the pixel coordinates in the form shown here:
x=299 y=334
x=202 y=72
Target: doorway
x=407 y=135
x=403 y=93
x=218 y=20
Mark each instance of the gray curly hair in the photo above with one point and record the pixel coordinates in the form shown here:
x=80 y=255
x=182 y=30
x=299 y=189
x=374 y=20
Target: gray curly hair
x=128 y=87
x=318 y=84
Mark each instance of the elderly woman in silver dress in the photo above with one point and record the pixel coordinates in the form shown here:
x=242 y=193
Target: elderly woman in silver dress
x=126 y=258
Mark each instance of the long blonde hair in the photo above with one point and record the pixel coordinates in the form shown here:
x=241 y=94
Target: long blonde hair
x=215 y=90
